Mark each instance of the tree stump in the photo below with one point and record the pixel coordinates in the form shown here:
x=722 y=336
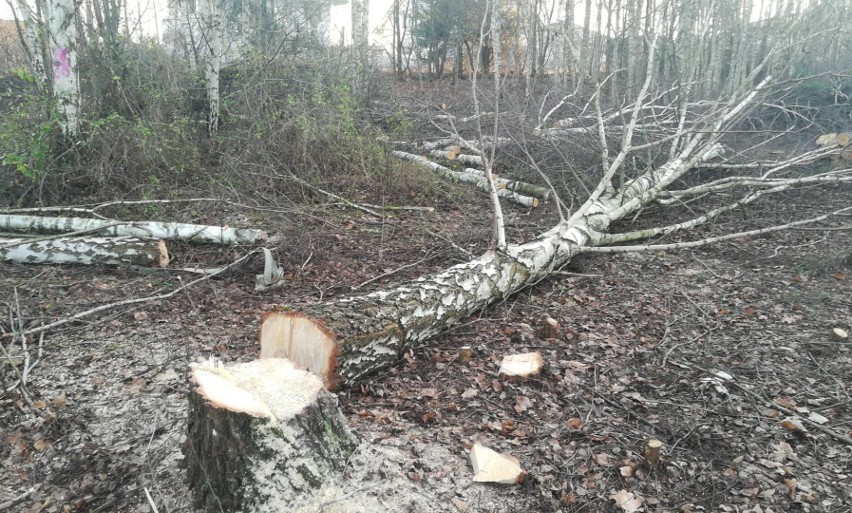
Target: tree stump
x=263 y=436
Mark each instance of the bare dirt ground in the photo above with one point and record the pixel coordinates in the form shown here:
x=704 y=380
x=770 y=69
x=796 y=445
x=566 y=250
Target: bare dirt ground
x=642 y=342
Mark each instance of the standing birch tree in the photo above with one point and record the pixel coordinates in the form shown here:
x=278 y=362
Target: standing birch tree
x=212 y=22
x=62 y=25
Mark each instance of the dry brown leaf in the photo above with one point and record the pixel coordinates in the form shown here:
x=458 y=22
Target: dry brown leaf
x=522 y=403
x=626 y=470
x=460 y=504
x=627 y=501
x=16 y=440
x=42 y=444
x=602 y=459
x=574 y=424
x=39 y=405
x=791 y=487
x=840 y=276
x=791 y=424
x=786 y=402
x=60 y=401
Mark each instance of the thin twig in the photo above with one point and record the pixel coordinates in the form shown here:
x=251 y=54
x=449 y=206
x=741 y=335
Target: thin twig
x=391 y=273
x=773 y=404
x=11 y=502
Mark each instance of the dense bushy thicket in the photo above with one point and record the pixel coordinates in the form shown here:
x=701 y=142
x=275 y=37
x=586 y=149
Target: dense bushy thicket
x=143 y=129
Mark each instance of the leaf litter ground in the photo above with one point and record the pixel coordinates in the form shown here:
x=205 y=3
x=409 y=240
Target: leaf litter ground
x=708 y=351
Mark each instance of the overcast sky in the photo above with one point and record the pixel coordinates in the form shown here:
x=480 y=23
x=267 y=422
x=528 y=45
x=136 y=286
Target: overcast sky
x=155 y=11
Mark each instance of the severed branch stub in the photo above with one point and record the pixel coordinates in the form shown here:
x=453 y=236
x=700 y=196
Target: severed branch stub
x=263 y=436
x=839 y=335
x=549 y=328
x=652 y=453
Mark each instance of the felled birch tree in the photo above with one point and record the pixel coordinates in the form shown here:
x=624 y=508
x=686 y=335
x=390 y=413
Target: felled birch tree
x=346 y=339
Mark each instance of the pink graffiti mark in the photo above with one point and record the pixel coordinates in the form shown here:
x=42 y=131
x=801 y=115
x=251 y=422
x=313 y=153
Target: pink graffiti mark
x=61 y=63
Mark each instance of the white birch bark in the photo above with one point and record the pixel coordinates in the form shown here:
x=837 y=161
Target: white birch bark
x=213 y=26
x=498 y=224
x=34 y=51
x=568 y=64
x=86 y=250
x=201 y=234
x=66 y=89
x=477 y=178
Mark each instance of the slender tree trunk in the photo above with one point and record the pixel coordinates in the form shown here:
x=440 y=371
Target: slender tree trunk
x=586 y=50
x=498 y=225
x=33 y=43
x=361 y=43
x=568 y=65
x=532 y=46
x=66 y=87
x=633 y=44
x=212 y=23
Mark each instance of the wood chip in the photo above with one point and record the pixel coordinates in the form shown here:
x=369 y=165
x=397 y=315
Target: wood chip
x=490 y=466
x=522 y=365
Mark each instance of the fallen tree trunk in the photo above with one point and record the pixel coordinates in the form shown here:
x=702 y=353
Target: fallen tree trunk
x=262 y=436
x=473 y=160
x=86 y=250
x=477 y=179
x=144 y=229
x=345 y=340
x=524 y=188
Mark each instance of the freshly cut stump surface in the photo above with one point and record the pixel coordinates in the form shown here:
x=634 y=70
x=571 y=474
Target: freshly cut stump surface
x=263 y=436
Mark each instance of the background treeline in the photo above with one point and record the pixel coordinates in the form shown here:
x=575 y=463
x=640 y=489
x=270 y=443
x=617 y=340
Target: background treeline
x=295 y=95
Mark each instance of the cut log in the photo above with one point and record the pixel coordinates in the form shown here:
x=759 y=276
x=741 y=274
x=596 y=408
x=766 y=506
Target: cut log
x=490 y=466
x=87 y=250
x=522 y=365
x=449 y=154
x=262 y=436
x=145 y=229
x=549 y=328
x=523 y=188
x=839 y=335
x=476 y=179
